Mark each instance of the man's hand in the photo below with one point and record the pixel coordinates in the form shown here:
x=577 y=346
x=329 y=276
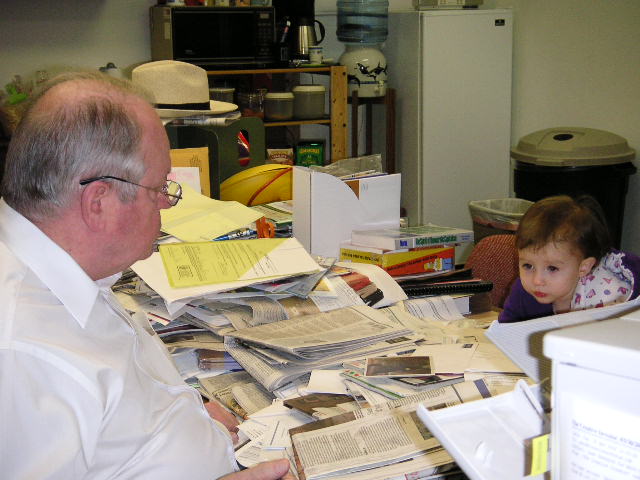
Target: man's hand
x=271 y=470
x=221 y=414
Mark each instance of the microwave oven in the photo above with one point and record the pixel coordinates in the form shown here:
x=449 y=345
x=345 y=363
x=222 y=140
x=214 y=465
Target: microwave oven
x=213 y=37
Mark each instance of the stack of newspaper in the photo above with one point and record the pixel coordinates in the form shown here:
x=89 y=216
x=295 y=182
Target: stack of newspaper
x=277 y=353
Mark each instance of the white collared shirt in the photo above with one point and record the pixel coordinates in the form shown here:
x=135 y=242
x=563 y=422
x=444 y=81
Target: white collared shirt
x=85 y=390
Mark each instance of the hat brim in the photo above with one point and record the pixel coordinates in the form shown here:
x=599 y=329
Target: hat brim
x=215 y=107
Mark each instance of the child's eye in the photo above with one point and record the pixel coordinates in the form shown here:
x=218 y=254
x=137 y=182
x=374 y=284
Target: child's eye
x=526 y=266
x=551 y=268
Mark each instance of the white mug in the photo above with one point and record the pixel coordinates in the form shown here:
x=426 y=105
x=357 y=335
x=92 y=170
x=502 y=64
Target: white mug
x=315 y=54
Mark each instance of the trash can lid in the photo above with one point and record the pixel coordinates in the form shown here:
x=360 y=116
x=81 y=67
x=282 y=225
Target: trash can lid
x=572 y=147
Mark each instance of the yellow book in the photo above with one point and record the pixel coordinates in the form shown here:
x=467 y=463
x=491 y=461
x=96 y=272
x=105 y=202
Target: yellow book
x=402 y=262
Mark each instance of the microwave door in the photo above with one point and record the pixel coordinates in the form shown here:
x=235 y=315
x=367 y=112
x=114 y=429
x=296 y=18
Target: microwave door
x=214 y=37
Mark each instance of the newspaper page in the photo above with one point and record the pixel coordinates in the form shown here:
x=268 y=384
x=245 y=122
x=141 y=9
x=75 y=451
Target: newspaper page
x=269 y=376
x=251 y=397
x=441 y=308
x=263 y=309
x=311 y=335
x=219 y=386
x=344 y=296
x=422 y=466
x=395 y=345
x=432 y=399
x=192 y=339
x=362 y=444
x=296 y=306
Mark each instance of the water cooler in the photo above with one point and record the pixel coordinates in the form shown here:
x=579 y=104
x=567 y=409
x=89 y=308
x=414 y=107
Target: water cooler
x=362 y=27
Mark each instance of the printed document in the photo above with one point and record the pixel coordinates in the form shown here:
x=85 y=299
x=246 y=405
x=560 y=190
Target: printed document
x=206 y=263
x=197 y=218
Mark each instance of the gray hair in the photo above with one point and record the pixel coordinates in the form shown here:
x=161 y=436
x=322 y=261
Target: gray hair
x=54 y=147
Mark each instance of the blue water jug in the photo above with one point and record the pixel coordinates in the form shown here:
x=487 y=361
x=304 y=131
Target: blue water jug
x=362 y=21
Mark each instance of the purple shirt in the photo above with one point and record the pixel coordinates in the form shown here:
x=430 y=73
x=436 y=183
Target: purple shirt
x=520 y=305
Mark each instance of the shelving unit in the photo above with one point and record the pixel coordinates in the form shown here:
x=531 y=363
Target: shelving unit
x=337 y=119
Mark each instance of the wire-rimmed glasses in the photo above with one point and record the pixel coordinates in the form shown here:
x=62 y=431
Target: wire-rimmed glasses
x=172 y=190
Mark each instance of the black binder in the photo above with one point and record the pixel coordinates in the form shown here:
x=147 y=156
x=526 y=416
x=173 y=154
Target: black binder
x=419 y=289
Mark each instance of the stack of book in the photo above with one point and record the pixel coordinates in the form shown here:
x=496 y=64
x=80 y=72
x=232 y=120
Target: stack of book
x=459 y=284
x=408 y=251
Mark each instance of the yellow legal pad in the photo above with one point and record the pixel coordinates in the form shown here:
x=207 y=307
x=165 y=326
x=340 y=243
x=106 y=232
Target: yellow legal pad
x=206 y=263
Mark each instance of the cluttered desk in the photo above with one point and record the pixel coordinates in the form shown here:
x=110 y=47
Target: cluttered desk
x=337 y=355
x=325 y=348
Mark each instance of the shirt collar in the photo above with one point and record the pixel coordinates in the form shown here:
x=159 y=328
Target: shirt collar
x=51 y=264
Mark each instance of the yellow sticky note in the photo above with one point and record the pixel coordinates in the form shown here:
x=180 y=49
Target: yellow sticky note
x=539 y=454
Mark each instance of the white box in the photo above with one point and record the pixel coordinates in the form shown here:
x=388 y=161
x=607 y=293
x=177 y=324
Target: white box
x=326 y=210
x=596 y=399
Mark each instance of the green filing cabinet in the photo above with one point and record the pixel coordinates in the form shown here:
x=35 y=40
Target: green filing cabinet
x=224 y=155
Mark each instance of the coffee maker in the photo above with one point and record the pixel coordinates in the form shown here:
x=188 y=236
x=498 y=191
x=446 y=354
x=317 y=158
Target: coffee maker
x=296 y=27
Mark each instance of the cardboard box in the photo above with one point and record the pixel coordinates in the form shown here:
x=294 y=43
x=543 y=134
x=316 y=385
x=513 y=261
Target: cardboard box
x=326 y=210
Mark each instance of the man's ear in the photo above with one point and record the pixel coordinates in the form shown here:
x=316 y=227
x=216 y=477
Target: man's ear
x=586 y=265
x=94 y=202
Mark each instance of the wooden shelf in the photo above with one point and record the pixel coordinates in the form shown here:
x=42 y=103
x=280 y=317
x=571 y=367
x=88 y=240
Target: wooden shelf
x=286 y=123
x=258 y=71
x=338 y=101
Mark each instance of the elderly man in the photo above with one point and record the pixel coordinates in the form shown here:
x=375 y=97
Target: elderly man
x=87 y=391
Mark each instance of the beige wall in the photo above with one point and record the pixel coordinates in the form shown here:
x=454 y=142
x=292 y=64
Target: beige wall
x=576 y=62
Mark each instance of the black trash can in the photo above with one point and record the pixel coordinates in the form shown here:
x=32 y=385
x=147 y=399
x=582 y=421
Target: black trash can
x=575 y=161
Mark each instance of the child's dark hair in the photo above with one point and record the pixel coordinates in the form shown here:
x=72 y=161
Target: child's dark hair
x=579 y=221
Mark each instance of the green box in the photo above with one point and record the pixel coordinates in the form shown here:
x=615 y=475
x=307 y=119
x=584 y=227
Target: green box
x=310 y=152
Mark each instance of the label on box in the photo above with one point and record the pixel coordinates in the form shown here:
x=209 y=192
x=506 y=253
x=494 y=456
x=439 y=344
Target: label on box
x=309 y=155
x=282 y=156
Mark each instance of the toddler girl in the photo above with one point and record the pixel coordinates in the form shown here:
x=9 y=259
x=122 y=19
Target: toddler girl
x=566 y=261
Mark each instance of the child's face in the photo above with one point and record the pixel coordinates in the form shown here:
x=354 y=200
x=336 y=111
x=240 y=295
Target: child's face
x=551 y=273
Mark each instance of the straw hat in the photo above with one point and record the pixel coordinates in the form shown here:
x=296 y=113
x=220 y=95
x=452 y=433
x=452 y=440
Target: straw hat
x=180 y=89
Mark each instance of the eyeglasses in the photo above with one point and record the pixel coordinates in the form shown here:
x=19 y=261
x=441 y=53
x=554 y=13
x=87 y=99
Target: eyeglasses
x=172 y=190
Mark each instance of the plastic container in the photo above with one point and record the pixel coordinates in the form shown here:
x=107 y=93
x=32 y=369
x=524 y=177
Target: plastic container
x=222 y=94
x=575 y=161
x=496 y=216
x=278 y=106
x=308 y=101
x=251 y=104
x=362 y=21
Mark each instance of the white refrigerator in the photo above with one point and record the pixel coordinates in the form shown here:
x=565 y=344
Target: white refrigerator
x=452 y=73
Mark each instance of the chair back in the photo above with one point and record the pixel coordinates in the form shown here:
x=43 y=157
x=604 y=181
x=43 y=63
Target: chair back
x=495 y=258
